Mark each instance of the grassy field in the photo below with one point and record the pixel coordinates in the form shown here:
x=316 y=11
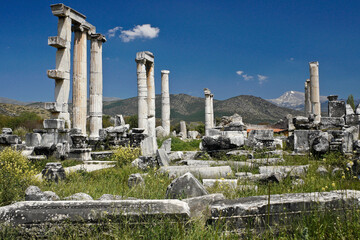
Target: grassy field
x=114 y=181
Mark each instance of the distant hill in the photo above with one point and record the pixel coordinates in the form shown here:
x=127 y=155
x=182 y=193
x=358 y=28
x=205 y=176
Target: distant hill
x=192 y=109
x=11 y=101
x=16 y=110
x=189 y=108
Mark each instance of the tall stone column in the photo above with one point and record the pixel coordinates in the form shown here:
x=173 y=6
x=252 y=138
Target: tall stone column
x=315 y=91
x=96 y=85
x=165 y=101
x=212 y=110
x=307 y=98
x=142 y=95
x=207 y=111
x=59 y=109
x=151 y=99
x=183 y=129
x=80 y=80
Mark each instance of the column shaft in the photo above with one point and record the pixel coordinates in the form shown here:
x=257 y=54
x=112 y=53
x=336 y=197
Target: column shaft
x=207 y=111
x=212 y=111
x=307 y=98
x=63 y=63
x=165 y=101
x=96 y=88
x=151 y=100
x=80 y=81
x=315 y=91
x=142 y=95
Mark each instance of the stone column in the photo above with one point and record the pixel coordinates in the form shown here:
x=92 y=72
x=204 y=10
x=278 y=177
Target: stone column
x=212 y=110
x=142 y=95
x=59 y=109
x=208 y=119
x=165 y=101
x=96 y=85
x=183 y=130
x=307 y=98
x=151 y=99
x=80 y=80
x=315 y=91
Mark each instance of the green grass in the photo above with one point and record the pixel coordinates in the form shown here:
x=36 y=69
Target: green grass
x=180 y=145
x=326 y=225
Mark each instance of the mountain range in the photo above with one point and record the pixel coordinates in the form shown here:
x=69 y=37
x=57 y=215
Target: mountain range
x=191 y=109
x=294 y=100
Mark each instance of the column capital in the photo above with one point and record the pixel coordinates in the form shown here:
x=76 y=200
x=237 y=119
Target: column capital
x=165 y=71
x=314 y=64
x=142 y=61
x=98 y=37
x=207 y=91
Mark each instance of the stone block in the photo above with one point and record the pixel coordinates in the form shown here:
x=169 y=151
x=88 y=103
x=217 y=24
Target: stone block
x=54 y=124
x=284 y=209
x=83 y=154
x=166 y=145
x=7 y=131
x=292 y=171
x=53 y=171
x=160 y=132
x=56 y=74
x=218 y=142
x=357 y=109
x=200 y=206
x=301 y=141
x=119 y=120
x=32 y=139
x=135 y=179
x=261 y=134
x=79 y=197
x=33 y=193
x=185 y=186
x=162 y=157
x=49 y=139
x=336 y=108
x=232 y=183
x=332 y=122
x=209 y=163
x=200 y=172
x=352 y=120
x=193 y=134
x=57 y=42
x=54 y=107
x=349 y=110
x=175 y=155
x=148 y=146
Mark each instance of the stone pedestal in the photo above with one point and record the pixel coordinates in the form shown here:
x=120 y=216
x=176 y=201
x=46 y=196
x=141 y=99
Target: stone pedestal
x=165 y=101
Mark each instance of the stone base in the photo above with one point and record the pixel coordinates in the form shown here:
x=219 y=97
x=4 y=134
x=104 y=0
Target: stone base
x=83 y=154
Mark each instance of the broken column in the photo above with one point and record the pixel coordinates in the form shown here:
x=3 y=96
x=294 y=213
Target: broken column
x=307 y=98
x=315 y=91
x=61 y=74
x=165 y=101
x=208 y=117
x=212 y=110
x=96 y=85
x=183 y=130
x=80 y=79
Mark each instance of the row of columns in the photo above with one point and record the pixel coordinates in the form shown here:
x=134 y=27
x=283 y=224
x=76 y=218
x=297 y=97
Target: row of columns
x=146 y=94
x=312 y=92
x=71 y=20
x=209 y=111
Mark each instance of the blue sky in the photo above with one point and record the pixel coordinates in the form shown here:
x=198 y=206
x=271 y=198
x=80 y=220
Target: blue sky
x=202 y=43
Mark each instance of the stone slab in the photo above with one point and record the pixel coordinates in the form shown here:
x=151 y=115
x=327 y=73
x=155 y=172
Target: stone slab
x=199 y=172
x=238 y=214
x=200 y=206
x=215 y=163
x=292 y=170
x=34 y=213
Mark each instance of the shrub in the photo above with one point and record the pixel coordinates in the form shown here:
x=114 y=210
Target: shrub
x=15 y=175
x=125 y=155
x=21 y=132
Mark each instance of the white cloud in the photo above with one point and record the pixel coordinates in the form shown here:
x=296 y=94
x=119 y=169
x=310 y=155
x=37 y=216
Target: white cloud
x=247 y=77
x=262 y=78
x=292 y=59
x=139 y=31
x=239 y=72
x=112 y=32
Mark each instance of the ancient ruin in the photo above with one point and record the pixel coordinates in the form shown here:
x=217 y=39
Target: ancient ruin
x=165 y=102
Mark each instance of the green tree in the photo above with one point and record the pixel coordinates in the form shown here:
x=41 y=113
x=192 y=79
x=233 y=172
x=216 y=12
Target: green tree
x=351 y=102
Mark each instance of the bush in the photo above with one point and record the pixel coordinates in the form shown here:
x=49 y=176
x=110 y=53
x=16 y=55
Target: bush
x=125 y=155
x=15 y=175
